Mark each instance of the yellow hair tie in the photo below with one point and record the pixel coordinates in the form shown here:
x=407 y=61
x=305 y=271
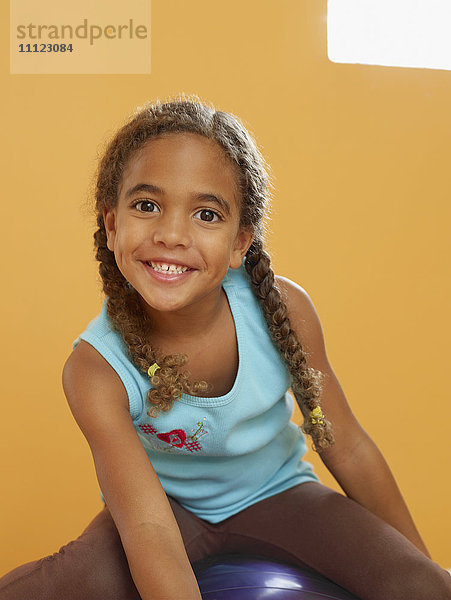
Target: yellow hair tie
x=316 y=416
x=151 y=370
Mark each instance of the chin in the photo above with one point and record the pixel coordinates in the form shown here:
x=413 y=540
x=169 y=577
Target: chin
x=163 y=305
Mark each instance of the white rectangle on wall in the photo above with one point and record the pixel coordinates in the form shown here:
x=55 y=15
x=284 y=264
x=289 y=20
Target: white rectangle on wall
x=395 y=33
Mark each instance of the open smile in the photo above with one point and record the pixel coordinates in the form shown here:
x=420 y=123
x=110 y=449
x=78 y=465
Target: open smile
x=167 y=268
x=167 y=272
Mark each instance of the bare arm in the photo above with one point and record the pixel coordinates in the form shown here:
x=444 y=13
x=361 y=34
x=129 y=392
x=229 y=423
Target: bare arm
x=365 y=477
x=354 y=460
x=138 y=504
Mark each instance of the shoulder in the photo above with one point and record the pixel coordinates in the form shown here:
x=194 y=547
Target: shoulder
x=293 y=294
x=305 y=322
x=303 y=317
x=87 y=367
x=92 y=387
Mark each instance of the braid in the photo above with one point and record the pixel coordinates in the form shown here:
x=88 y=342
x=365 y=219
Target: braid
x=307 y=382
x=130 y=319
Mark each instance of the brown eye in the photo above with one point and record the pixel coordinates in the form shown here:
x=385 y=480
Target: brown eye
x=208 y=216
x=146 y=206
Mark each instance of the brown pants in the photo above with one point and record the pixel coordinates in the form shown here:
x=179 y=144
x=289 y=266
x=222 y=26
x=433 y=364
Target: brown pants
x=308 y=525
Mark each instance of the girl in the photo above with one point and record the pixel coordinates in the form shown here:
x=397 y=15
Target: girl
x=207 y=461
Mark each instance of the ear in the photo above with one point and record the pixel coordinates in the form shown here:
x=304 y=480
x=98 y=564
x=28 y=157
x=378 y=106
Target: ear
x=242 y=244
x=109 y=218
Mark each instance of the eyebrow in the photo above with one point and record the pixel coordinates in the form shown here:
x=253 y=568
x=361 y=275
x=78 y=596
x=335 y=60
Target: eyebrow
x=153 y=189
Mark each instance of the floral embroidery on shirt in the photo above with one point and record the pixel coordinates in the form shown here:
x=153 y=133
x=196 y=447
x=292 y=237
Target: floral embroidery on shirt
x=177 y=438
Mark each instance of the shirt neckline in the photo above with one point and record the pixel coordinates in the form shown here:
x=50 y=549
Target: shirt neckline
x=227 y=398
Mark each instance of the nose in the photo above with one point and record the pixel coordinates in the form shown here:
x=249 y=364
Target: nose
x=172 y=230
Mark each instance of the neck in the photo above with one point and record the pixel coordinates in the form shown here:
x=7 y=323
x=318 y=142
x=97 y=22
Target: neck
x=190 y=323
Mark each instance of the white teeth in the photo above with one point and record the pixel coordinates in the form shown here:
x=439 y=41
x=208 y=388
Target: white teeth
x=167 y=268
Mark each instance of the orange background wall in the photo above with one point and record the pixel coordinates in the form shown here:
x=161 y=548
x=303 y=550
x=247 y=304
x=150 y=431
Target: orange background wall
x=360 y=157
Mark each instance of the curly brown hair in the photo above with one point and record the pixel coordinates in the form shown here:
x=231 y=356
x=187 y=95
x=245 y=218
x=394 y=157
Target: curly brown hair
x=190 y=114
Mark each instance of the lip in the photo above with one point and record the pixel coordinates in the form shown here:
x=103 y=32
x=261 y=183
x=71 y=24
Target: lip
x=167 y=277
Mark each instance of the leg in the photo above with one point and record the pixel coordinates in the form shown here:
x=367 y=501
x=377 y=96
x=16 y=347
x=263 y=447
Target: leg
x=312 y=525
x=94 y=566
x=90 y=567
x=201 y=538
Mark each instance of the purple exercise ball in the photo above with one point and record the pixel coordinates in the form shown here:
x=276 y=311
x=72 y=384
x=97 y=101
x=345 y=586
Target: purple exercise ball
x=240 y=577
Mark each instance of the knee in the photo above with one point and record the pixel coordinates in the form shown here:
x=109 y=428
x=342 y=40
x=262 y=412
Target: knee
x=433 y=583
x=423 y=580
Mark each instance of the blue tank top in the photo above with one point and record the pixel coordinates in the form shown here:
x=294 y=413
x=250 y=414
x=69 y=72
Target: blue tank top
x=217 y=456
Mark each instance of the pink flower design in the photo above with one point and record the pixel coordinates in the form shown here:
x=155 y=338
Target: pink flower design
x=176 y=437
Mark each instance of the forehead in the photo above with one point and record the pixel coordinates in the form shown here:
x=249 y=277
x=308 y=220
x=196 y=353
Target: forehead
x=183 y=160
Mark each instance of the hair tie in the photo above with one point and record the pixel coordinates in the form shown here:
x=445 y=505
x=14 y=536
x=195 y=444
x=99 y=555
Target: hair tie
x=151 y=370
x=316 y=416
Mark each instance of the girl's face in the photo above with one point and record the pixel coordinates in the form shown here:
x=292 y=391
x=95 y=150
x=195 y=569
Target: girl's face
x=175 y=229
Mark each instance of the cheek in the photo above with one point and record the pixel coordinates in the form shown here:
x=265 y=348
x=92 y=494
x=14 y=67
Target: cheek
x=128 y=234
x=122 y=246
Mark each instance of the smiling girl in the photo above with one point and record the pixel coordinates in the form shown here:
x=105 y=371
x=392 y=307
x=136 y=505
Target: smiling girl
x=181 y=388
